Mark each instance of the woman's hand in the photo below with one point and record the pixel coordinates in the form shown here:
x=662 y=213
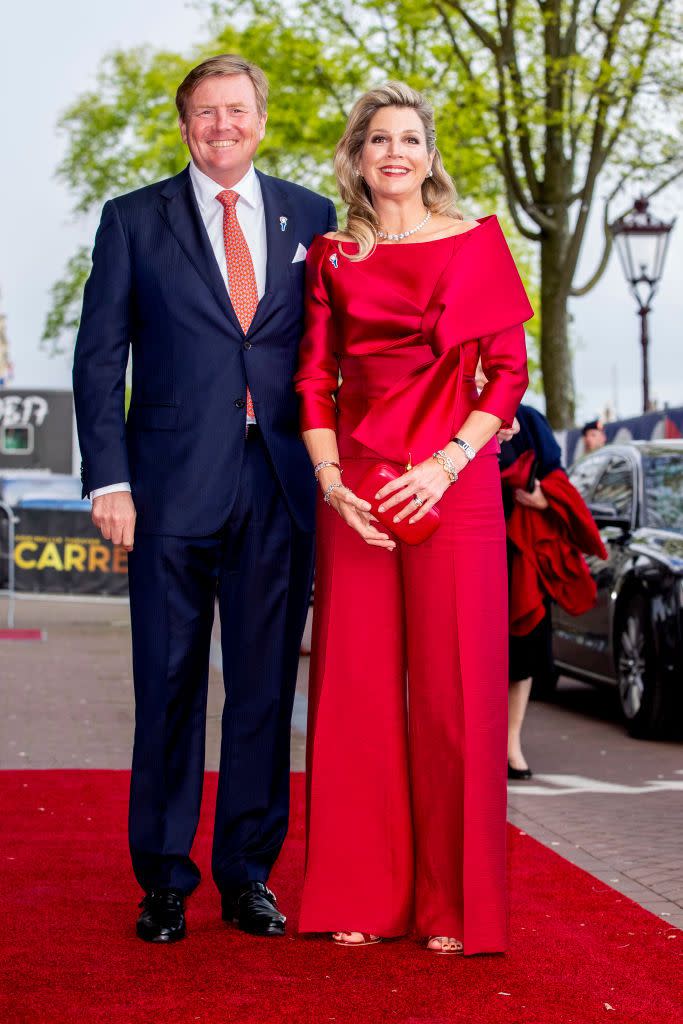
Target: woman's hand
x=426 y=481
x=536 y=499
x=507 y=433
x=356 y=513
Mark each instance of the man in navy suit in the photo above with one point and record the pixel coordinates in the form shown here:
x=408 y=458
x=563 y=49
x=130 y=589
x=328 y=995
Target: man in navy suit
x=207 y=484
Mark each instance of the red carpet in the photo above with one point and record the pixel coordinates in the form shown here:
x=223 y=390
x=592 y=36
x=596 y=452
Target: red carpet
x=580 y=952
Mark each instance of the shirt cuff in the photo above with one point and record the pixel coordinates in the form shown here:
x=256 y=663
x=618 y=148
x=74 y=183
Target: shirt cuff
x=110 y=489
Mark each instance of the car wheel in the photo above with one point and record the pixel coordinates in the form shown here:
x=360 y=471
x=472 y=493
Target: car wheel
x=641 y=693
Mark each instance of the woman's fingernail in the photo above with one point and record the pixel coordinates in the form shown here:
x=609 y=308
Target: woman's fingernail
x=395 y=519
x=381 y=508
x=376 y=497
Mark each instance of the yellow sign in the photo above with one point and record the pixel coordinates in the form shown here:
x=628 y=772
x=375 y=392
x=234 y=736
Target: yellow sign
x=66 y=554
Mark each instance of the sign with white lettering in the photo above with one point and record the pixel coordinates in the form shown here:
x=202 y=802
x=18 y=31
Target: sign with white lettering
x=36 y=430
x=18 y=411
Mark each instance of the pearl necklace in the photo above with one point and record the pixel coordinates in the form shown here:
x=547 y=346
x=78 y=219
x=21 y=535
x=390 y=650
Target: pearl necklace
x=404 y=234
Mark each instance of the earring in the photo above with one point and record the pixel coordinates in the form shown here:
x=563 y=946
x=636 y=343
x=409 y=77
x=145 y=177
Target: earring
x=429 y=173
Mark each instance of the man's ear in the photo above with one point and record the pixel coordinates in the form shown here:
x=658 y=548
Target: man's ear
x=183 y=130
x=262 y=131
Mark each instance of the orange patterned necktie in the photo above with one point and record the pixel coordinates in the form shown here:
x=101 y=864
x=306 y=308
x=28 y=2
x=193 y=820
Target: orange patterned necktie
x=241 y=277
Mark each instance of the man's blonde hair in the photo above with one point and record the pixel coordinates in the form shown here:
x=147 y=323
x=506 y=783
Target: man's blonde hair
x=223 y=64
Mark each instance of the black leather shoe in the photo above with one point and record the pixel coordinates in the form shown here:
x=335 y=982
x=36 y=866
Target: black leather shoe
x=253 y=908
x=163 y=916
x=519 y=773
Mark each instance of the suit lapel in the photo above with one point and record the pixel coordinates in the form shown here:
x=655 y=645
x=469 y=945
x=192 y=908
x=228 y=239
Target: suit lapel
x=280 y=243
x=180 y=211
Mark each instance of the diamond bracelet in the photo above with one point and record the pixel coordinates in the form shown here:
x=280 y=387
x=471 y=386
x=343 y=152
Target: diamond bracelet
x=446 y=464
x=329 y=489
x=323 y=464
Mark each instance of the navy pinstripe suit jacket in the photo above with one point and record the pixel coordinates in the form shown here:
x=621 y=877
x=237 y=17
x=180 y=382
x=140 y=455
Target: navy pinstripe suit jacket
x=155 y=285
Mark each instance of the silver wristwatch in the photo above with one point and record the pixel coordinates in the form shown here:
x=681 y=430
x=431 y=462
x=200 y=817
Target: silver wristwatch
x=466 y=447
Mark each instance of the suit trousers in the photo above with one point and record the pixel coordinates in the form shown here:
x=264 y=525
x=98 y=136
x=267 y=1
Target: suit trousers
x=259 y=567
x=407 y=737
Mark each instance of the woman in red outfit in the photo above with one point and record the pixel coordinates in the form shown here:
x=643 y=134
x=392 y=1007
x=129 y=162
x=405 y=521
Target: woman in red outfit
x=407 y=783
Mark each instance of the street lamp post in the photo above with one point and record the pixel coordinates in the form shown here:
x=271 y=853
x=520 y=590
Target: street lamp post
x=642 y=241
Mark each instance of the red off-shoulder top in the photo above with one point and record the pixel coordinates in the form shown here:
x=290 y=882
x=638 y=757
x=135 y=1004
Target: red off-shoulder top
x=392 y=342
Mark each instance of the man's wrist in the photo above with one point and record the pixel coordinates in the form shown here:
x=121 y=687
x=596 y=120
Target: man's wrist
x=122 y=487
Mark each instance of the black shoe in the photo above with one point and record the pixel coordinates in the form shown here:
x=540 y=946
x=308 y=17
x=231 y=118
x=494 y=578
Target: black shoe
x=253 y=908
x=519 y=773
x=163 y=916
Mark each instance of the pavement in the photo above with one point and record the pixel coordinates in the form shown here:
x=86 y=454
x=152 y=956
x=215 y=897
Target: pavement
x=604 y=801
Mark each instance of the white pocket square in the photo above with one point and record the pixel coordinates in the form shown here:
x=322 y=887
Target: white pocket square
x=300 y=253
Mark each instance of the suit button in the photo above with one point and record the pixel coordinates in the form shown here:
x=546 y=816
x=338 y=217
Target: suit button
x=240 y=403
x=247 y=345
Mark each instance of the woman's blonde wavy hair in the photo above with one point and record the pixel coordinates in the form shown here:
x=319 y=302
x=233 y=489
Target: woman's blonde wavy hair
x=438 y=191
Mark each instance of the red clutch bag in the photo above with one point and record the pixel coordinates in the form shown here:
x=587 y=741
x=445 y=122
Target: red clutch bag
x=374 y=480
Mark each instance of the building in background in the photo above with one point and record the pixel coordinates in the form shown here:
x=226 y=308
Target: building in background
x=36 y=430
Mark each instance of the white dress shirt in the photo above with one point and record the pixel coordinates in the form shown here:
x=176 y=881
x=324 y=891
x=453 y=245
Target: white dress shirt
x=251 y=217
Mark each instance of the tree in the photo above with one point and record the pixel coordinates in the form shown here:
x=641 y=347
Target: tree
x=582 y=91
x=543 y=102
x=123 y=133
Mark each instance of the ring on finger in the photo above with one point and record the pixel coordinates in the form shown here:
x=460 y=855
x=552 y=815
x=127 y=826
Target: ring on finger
x=418 y=501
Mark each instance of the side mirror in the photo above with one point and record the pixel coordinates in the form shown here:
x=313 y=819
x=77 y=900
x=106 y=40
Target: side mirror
x=608 y=515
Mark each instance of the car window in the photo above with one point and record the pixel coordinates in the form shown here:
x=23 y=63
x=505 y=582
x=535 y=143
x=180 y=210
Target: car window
x=663 y=482
x=584 y=474
x=615 y=486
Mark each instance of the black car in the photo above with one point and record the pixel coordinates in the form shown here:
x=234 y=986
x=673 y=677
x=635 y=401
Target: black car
x=632 y=638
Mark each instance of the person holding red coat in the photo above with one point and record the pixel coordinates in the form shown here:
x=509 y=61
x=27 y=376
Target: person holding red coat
x=549 y=526
x=408 y=690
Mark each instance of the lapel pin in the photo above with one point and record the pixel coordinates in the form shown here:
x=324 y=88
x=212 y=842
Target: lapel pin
x=283 y=223
x=334 y=261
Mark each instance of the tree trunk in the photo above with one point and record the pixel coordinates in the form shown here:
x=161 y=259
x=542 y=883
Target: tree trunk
x=556 y=361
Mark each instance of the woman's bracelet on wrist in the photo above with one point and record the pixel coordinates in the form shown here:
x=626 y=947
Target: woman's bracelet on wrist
x=329 y=489
x=447 y=465
x=323 y=464
x=466 y=447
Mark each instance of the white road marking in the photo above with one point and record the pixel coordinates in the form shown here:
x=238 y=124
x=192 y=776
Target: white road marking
x=566 y=785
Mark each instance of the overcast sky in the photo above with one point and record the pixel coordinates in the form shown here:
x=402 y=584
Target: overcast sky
x=43 y=69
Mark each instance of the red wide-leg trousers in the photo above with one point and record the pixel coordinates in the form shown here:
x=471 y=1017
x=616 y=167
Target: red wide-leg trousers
x=407 y=737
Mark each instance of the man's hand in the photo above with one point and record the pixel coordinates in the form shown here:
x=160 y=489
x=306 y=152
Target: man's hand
x=114 y=516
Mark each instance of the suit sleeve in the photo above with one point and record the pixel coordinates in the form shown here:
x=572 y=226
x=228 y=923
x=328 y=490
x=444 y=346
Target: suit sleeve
x=504 y=362
x=317 y=379
x=101 y=357
x=331 y=217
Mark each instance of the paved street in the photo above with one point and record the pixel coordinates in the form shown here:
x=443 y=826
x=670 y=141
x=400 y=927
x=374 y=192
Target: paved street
x=608 y=803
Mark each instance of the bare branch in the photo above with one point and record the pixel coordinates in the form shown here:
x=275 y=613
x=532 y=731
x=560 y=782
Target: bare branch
x=596 y=158
x=509 y=58
x=635 y=81
x=608 y=239
x=482 y=34
x=534 y=236
x=665 y=184
x=457 y=49
x=604 y=259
